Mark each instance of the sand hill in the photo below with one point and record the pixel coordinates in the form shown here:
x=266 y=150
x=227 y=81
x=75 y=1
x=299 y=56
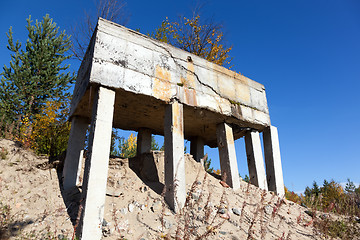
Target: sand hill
x=135 y=209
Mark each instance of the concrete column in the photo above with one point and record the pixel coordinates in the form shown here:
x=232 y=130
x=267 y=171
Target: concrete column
x=228 y=162
x=143 y=141
x=273 y=161
x=255 y=159
x=81 y=160
x=197 y=148
x=96 y=166
x=74 y=152
x=175 y=194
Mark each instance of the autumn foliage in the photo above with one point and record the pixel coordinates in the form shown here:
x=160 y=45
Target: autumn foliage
x=202 y=39
x=48 y=132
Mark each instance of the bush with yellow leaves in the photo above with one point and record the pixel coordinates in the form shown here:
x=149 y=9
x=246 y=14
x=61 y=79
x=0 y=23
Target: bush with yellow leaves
x=48 y=132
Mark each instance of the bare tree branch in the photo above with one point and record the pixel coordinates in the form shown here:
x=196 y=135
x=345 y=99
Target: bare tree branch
x=112 y=10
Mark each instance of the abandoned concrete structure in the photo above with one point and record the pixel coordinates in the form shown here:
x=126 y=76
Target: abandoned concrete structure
x=132 y=82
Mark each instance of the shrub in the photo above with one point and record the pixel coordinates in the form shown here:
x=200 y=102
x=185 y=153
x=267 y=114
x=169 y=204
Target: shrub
x=48 y=132
x=128 y=147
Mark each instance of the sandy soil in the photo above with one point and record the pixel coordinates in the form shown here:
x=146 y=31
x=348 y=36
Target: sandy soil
x=134 y=204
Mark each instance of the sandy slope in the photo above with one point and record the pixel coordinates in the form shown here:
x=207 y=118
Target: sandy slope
x=135 y=209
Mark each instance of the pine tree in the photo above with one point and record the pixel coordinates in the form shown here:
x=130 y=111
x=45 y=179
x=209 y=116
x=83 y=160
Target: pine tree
x=36 y=73
x=315 y=189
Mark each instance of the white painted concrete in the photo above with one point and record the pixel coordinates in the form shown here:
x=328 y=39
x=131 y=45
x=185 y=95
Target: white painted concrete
x=255 y=159
x=74 y=152
x=197 y=148
x=143 y=141
x=273 y=161
x=81 y=161
x=96 y=167
x=227 y=154
x=121 y=58
x=175 y=194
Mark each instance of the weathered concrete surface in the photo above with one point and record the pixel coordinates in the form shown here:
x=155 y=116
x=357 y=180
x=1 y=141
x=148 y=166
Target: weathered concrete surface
x=273 y=160
x=168 y=92
x=197 y=148
x=227 y=155
x=96 y=167
x=143 y=141
x=255 y=159
x=175 y=194
x=74 y=152
x=147 y=74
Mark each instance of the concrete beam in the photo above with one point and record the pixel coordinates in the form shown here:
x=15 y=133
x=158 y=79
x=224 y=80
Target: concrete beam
x=143 y=141
x=74 y=153
x=175 y=194
x=147 y=74
x=255 y=159
x=227 y=154
x=96 y=166
x=197 y=148
x=273 y=161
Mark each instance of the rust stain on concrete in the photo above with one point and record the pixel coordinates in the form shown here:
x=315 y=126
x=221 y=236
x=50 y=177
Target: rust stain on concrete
x=162 y=85
x=190 y=96
x=178 y=118
x=230 y=140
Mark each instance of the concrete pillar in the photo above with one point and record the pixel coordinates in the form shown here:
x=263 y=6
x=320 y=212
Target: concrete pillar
x=96 y=165
x=228 y=162
x=74 y=152
x=255 y=159
x=81 y=160
x=197 y=148
x=273 y=161
x=143 y=141
x=175 y=194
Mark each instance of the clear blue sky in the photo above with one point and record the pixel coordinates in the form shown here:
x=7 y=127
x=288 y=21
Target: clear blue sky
x=305 y=52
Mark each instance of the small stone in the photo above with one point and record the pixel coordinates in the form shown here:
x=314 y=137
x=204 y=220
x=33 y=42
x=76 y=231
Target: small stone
x=156 y=206
x=303 y=205
x=131 y=207
x=142 y=207
x=61 y=237
x=104 y=223
x=143 y=189
x=324 y=216
x=236 y=211
x=167 y=224
x=222 y=232
x=268 y=209
x=28 y=219
x=124 y=210
x=106 y=231
x=195 y=196
x=310 y=213
x=222 y=210
x=357 y=219
x=113 y=192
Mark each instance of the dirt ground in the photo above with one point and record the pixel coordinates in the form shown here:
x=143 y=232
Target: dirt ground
x=34 y=206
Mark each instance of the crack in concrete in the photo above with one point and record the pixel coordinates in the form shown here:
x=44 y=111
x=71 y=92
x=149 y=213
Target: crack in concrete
x=187 y=70
x=198 y=79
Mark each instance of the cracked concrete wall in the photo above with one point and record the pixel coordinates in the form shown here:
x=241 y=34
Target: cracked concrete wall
x=136 y=65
